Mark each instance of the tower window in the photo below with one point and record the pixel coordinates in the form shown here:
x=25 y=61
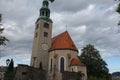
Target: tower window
x=46 y=25
x=46 y=13
x=45 y=34
x=42 y=13
x=37 y=26
x=36 y=35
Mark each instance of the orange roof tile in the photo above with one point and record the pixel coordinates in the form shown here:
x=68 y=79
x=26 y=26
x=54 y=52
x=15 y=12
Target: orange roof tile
x=76 y=62
x=63 y=41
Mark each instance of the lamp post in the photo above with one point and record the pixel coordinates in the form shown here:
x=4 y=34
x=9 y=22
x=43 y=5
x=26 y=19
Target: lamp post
x=7 y=62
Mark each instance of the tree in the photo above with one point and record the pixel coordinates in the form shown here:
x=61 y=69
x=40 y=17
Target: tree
x=118 y=9
x=96 y=66
x=3 y=39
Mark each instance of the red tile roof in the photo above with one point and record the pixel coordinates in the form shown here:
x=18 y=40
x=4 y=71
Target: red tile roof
x=63 y=41
x=76 y=62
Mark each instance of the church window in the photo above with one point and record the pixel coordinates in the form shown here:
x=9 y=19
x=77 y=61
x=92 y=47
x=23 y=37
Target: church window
x=40 y=66
x=46 y=25
x=72 y=69
x=45 y=34
x=62 y=64
x=51 y=65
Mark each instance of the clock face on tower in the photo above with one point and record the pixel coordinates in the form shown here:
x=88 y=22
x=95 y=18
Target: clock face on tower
x=45 y=46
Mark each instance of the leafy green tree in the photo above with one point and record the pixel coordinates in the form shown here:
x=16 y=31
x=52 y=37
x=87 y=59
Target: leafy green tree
x=96 y=66
x=79 y=76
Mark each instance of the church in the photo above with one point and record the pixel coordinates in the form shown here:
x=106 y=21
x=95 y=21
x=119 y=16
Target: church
x=54 y=55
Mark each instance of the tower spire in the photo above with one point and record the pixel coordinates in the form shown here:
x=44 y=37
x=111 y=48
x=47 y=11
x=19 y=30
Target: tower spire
x=45 y=11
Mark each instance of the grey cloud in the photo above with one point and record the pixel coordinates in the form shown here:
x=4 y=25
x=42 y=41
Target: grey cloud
x=75 y=5
x=101 y=30
x=19 y=17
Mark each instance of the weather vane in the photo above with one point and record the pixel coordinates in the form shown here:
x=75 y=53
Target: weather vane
x=66 y=27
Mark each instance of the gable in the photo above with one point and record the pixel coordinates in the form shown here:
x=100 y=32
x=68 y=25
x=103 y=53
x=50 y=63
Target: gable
x=63 y=41
x=76 y=62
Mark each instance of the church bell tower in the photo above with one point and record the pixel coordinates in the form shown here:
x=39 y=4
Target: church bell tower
x=42 y=38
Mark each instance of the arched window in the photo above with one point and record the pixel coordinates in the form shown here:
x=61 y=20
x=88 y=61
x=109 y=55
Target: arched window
x=43 y=13
x=62 y=61
x=46 y=13
x=51 y=65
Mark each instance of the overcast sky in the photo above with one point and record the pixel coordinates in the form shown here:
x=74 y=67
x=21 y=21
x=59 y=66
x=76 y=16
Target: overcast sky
x=88 y=22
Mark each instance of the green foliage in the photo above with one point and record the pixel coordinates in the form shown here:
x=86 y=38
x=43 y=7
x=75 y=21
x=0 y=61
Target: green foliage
x=79 y=77
x=9 y=75
x=3 y=39
x=96 y=66
x=98 y=78
x=118 y=9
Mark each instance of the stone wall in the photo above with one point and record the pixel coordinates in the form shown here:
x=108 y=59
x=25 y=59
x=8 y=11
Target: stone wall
x=25 y=72
x=71 y=75
x=2 y=75
x=115 y=78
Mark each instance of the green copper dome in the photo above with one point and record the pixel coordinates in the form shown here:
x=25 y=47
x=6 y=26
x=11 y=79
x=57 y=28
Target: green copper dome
x=45 y=11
